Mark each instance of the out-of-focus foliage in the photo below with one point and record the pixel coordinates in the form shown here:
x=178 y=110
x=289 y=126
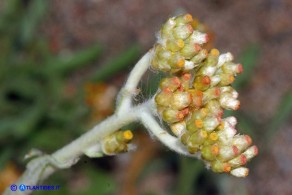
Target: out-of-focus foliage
x=40 y=107
x=39 y=104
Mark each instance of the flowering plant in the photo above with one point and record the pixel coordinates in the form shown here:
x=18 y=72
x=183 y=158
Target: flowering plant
x=191 y=100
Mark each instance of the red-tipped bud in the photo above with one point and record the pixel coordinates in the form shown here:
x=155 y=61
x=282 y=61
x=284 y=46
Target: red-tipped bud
x=242 y=142
x=227 y=152
x=238 y=161
x=202 y=83
x=251 y=152
x=220 y=167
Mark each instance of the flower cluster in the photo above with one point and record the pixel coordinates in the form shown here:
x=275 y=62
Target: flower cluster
x=179 y=45
x=117 y=142
x=192 y=100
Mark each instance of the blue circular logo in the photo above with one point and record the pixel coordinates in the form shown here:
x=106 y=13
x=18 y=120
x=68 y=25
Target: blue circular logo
x=22 y=187
x=13 y=187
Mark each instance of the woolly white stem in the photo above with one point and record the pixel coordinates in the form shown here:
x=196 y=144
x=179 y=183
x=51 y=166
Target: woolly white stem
x=43 y=166
x=162 y=135
x=124 y=101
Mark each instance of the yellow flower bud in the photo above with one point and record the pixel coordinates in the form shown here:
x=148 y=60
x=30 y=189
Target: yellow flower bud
x=174 y=45
x=220 y=167
x=210 y=152
x=197 y=138
x=183 y=19
x=202 y=83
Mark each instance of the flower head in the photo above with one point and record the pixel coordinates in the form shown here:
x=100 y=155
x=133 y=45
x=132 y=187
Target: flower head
x=193 y=98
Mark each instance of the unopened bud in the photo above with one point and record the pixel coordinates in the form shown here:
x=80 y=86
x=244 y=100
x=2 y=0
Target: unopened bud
x=200 y=56
x=183 y=19
x=214 y=108
x=227 y=152
x=210 y=123
x=210 y=94
x=167 y=28
x=227 y=133
x=226 y=79
x=228 y=102
x=172 y=116
x=231 y=90
x=117 y=142
x=197 y=38
x=180 y=100
x=182 y=31
x=242 y=142
x=215 y=79
x=231 y=68
x=240 y=172
x=251 y=152
x=163 y=98
x=176 y=61
x=179 y=128
x=231 y=120
x=220 y=167
x=185 y=81
x=212 y=59
x=197 y=97
x=238 y=161
x=174 y=45
x=190 y=50
x=210 y=152
x=171 y=83
x=223 y=58
x=197 y=138
x=202 y=83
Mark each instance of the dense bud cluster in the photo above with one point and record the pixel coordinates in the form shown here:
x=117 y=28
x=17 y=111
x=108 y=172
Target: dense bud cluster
x=179 y=45
x=117 y=142
x=193 y=99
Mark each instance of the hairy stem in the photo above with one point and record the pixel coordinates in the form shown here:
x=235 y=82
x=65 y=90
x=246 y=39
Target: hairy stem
x=42 y=167
x=124 y=101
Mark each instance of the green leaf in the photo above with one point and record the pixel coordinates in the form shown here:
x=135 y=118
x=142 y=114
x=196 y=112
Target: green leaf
x=248 y=58
x=106 y=184
x=32 y=17
x=6 y=154
x=66 y=64
x=189 y=171
x=283 y=112
x=119 y=63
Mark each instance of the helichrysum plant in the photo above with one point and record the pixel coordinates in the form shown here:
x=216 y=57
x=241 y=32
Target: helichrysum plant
x=191 y=99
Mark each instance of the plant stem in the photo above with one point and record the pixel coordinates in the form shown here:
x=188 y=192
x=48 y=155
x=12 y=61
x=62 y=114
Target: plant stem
x=41 y=168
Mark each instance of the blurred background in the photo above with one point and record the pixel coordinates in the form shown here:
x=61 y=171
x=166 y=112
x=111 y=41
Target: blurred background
x=62 y=63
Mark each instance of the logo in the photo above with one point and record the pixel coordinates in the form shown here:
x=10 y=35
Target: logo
x=22 y=187
x=13 y=187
